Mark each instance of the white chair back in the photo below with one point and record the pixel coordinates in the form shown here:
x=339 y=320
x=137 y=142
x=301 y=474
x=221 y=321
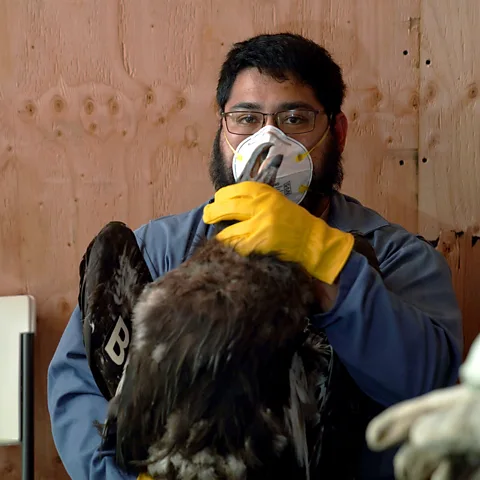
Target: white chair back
x=17 y=316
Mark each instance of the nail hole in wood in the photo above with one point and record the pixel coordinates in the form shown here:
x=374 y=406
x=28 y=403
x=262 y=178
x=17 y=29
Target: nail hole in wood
x=401 y=162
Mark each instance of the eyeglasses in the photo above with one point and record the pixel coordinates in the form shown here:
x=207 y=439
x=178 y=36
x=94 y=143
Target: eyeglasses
x=289 y=121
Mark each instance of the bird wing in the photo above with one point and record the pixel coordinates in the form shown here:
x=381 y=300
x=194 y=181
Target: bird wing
x=295 y=414
x=113 y=273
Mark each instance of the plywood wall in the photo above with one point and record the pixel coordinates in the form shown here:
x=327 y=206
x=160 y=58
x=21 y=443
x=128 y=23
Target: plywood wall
x=449 y=144
x=106 y=111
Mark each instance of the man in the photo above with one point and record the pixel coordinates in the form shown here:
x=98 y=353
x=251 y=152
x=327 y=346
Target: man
x=399 y=335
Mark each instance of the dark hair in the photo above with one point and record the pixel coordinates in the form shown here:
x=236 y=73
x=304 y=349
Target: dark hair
x=280 y=55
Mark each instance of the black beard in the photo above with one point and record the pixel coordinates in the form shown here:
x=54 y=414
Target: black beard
x=323 y=184
x=220 y=175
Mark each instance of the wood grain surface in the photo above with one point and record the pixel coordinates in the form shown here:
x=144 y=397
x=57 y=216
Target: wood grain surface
x=107 y=112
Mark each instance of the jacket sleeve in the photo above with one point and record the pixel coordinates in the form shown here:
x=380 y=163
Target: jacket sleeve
x=74 y=403
x=400 y=336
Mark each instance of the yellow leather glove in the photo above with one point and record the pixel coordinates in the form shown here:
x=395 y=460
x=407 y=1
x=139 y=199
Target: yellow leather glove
x=269 y=222
x=144 y=476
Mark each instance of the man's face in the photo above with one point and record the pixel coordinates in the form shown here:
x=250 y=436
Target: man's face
x=265 y=94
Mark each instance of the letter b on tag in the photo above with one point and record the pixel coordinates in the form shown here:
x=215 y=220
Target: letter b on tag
x=118 y=342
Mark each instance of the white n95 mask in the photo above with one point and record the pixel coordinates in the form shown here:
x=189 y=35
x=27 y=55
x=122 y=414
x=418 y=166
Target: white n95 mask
x=296 y=170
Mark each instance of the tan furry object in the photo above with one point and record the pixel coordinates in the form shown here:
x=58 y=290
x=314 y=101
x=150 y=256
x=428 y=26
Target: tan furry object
x=439 y=432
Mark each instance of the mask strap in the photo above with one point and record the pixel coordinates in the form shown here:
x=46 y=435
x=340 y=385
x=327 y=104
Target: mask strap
x=302 y=156
x=239 y=157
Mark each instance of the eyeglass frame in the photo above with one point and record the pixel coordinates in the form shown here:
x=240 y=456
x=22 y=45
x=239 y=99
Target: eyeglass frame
x=274 y=114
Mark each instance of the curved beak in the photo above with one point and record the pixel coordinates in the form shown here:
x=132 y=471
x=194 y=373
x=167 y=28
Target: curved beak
x=259 y=168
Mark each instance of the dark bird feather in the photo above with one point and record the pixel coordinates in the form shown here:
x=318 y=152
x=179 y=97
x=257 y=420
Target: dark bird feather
x=225 y=378
x=113 y=273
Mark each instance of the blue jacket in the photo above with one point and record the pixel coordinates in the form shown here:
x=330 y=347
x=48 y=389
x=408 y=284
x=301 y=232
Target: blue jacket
x=398 y=338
